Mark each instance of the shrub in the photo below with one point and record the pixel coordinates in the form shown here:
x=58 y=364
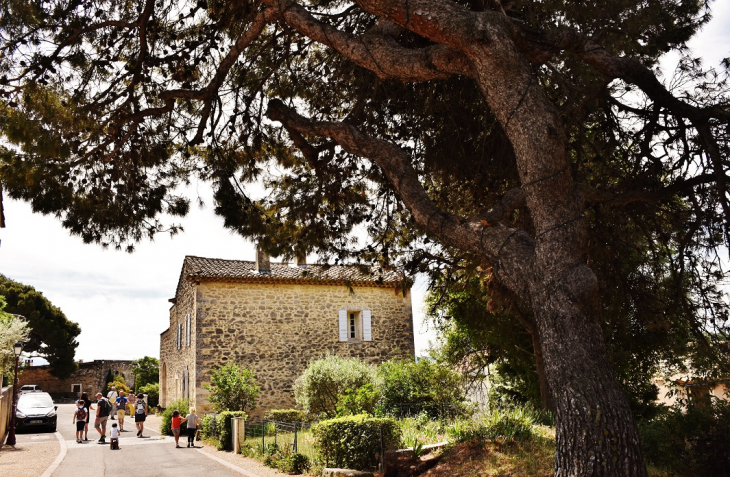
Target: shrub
x=233 y=388
x=409 y=387
x=285 y=415
x=690 y=441
x=181 y=405
x=361 y=401
x=319 y=389
x=208 y=426
x=225 y=431
x=119 y=383
x=354 y=442
x=152 y=391
x=295 y=463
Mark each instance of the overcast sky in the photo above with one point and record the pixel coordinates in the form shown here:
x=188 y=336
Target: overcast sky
x=103 y=289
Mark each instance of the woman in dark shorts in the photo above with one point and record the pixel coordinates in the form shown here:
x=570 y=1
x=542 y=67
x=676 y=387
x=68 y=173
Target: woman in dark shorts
x=140 y=413
x=87 y=404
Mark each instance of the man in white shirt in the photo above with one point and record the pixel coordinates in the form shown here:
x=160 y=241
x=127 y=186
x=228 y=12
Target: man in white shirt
x=112 y=397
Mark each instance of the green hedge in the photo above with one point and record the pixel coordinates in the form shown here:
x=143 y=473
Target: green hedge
x=353 y=442
x=225 y=431
x=285 y=415
x=207 y=426
x=181 y=405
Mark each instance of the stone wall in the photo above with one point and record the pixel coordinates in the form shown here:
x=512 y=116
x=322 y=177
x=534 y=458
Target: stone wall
x=177 y=363
x=277 y=329
x=90 y=375
x=6 y=406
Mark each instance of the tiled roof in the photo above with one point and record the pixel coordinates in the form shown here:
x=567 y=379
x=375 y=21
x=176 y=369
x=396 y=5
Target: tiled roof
x=201 y=269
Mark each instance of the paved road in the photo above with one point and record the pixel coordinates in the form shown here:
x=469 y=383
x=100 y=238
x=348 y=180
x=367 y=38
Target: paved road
x=152 y=456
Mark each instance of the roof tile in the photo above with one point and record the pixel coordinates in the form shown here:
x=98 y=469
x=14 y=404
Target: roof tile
x=240 y=270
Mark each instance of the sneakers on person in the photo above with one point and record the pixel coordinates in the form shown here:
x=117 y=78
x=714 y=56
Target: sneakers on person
x=102 y=439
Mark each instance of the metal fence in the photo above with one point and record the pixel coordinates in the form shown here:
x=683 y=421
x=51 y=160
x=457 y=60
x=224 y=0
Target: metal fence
x=290 y=437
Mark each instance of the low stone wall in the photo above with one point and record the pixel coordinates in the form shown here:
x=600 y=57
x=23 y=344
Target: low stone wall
x=6 y=405
x=88 y=378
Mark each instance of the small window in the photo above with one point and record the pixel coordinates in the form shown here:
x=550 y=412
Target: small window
x=355 y=325
x=76 y=388
x=179 y=335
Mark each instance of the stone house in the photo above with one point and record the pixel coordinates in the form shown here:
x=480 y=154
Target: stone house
x=274 y=318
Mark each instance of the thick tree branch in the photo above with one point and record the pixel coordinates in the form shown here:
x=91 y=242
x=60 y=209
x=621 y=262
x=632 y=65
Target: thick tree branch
x=376 y=51
x=510 y=250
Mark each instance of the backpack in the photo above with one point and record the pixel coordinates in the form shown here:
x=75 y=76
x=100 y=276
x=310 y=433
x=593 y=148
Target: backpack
x=104 y=407
x=81 y=414
x=140 y=407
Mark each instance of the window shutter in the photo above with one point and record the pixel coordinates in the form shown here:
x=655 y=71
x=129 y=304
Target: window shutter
x=188 y=329
x=343 y=325
x=367 y=329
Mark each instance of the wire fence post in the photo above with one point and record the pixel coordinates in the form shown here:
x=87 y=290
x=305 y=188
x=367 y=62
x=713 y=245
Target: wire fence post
x=263 y=437
x=295 y=438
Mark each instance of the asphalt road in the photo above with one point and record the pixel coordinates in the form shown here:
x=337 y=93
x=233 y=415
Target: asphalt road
x=154 y=455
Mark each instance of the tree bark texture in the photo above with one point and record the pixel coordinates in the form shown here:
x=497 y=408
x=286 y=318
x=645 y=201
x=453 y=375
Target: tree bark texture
x=596 y=433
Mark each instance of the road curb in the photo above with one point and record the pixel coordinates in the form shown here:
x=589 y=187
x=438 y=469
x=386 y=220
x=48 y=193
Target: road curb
x=59 y=458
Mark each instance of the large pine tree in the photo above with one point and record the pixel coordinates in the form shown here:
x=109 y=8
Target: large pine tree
x=505 y=133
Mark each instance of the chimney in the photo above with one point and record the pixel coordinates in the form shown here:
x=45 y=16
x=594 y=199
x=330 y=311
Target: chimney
x=300 y=260
x=263 y=264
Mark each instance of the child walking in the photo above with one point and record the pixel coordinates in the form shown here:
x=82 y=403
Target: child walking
x=175 y=426
x=192 y=420
x=114 y=441
x=80 y=420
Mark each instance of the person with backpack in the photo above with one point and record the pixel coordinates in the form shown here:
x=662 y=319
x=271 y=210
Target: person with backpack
x=140 y=413
x=112 y=397
x=89 y=408
x=79 y=419
x=121 y=406
x=103 y=408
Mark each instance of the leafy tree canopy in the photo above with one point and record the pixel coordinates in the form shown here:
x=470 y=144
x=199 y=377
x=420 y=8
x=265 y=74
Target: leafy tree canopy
x=52 y=335
x=12 y=330
x=146 y=371
x=233 y=388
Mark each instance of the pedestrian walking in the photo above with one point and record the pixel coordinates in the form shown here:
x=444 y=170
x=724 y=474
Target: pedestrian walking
x=175 y=426
x=87 y=404
x=192 y=420
x=114 y=438
x=103 y=408
x=140 y=413
x=79 y=419
x=121 y=405
x=112 y=397
x=132 y=398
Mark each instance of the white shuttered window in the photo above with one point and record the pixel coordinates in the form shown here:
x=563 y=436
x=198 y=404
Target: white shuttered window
x=343 y=325
x=187 y=329
x=355 y=325
x=367 y=328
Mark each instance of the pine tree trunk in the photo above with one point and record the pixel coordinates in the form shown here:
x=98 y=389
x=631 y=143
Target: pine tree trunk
x=595 y=430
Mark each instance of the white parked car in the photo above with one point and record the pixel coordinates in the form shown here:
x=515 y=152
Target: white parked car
x=30 y=388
